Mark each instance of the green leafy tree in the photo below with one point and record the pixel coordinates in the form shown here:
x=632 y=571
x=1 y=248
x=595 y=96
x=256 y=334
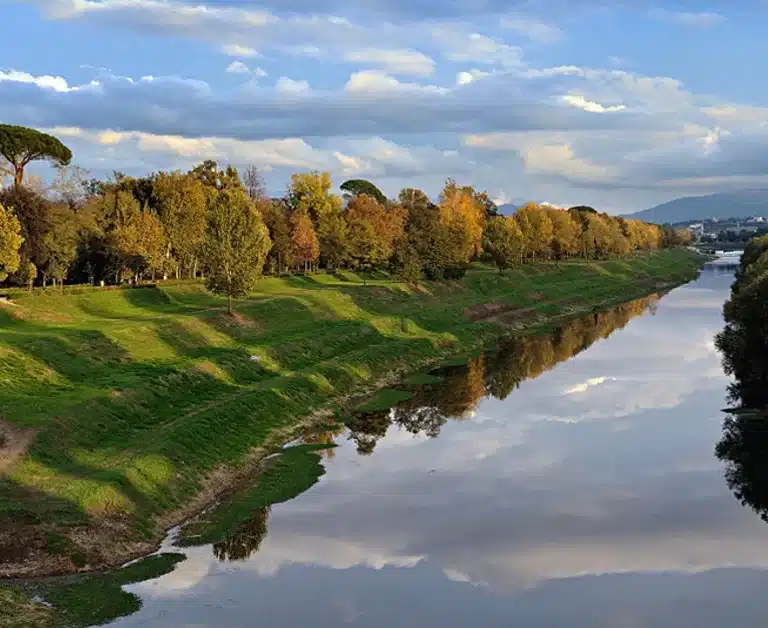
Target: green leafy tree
x=60 y=244
x=10 y=243
x=502 y=241
x=356 y=187
x=142 y=244
x=235 y=246
x=275 y=217
x=180 y=201
x=332 y=234
x=21 y=145
x=33 y=212
x=310 y=194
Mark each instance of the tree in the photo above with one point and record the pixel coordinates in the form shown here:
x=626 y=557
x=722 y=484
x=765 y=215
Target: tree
x=275 y=217
x=332 y=234
x=565 y=233
x=464 y=214
x=10 y=243
x=537 y=229
x=71 y=186
x=209 y=174
x=60 y=244
x=34 y=215
x=372 y=231
x=356 y=187
x=20 y=145
x=310 y=194
x=180 y=201
x=235 y=246
x=142 y=244
x=305 y=248
x=502 y=241
x=254 y=183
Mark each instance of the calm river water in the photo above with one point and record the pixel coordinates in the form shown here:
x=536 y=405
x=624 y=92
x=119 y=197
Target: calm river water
x=527 y=488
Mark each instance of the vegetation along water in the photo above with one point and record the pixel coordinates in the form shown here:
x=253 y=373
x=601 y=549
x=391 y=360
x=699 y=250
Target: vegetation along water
x=205 y=325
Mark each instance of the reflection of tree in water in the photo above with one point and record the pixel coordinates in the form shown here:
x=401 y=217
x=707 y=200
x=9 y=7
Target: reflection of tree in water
x=246 y=539
x=495 y=373
x=744 y=346
x=324 y=435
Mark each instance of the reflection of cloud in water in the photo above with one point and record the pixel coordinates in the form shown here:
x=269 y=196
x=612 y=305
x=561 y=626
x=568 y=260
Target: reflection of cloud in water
x=584 y=386
x=541 y=492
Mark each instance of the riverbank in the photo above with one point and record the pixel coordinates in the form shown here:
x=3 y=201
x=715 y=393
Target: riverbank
x=149 y=403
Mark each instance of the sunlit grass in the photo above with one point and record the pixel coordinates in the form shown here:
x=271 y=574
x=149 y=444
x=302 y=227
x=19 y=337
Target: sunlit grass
x=138 y=395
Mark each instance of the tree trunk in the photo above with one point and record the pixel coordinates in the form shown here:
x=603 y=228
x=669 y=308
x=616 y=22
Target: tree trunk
x=18 y=175
x=229 y=303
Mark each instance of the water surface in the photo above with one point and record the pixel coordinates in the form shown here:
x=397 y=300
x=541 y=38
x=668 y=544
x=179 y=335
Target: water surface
x=526 y=488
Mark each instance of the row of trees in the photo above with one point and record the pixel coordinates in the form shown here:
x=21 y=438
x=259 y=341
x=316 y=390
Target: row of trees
x=744 y=347
x=497 y=374
x=213 y=222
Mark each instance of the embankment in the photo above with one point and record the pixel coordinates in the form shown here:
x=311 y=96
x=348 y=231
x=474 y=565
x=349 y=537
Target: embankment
x=124 y=412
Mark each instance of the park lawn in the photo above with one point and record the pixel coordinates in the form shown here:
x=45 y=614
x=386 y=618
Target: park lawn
x=124 y=411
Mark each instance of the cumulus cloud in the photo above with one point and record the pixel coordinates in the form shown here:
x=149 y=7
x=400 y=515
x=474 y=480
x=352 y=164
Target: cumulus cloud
x=587 y=105
x=395 y=61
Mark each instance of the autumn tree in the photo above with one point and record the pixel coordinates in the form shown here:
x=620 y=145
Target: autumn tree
x=310 y=194
x=537 y=229
x=215 y=179
x=502 y=241
x=10 y=243
x=565 y=233
x=305 y=247
x=373 y=230
x=460 y=210
x=235 y=246
x=20 y=146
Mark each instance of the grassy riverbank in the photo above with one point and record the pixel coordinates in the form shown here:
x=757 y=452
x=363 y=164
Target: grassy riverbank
x=125 y=411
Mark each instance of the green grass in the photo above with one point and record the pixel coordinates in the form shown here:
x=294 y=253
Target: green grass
x=384 y=399
x=135 y=397
x=422 y=379
x=85 y=601
x=290 y=473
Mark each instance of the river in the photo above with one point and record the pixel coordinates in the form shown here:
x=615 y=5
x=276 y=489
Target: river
x=528 y=488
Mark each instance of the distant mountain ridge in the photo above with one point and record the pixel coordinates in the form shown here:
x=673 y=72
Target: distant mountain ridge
x=742 y=204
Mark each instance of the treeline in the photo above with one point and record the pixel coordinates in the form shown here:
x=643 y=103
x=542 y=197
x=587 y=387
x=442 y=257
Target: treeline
x=744 y=347
x=495 y=374
x=218 y=224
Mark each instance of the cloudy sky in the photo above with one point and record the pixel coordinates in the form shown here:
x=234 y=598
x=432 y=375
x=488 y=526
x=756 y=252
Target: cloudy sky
x=616 y=104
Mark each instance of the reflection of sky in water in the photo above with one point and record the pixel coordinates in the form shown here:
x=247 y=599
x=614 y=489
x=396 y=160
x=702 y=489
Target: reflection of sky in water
x=589 y=497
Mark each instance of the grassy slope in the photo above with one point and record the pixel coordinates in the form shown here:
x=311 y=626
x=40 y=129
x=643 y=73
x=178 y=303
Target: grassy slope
x=137 y=396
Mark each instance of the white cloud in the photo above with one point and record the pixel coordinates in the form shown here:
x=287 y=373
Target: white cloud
x=468 y=76
x=586 y=385
x=532 y=28
x=56 y=83
x=587 y=105
x=408 y=62
x=458 y=45
x=235 y=50
x=701 y=19
x=238 y=67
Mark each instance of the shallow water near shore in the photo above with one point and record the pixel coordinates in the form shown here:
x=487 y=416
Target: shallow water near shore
x=566 y=479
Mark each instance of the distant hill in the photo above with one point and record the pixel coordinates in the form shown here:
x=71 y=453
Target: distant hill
x=742 y=204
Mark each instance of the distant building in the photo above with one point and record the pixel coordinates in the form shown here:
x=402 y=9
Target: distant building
x=697 y=229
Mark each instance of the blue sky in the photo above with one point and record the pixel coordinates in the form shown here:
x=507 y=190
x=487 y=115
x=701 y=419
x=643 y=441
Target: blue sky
x=617 y=104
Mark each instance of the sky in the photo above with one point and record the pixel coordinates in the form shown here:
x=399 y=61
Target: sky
x=619 y=105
